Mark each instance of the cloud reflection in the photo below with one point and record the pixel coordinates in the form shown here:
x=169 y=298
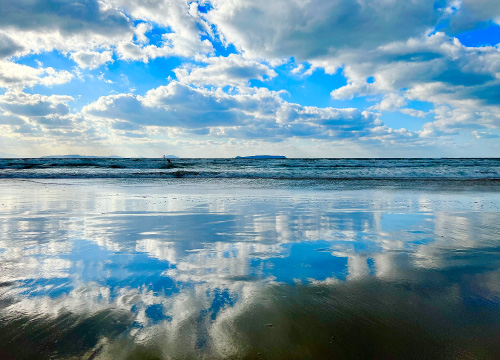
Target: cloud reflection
x=172 y=272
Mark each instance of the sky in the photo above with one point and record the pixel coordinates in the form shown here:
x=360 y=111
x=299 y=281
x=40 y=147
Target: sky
x=221 y=78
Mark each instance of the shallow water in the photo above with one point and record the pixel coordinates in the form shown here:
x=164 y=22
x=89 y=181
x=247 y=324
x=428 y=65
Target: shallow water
x=116 y=269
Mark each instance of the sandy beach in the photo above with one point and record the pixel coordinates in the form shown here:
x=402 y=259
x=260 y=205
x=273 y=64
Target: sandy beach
x=113 y=269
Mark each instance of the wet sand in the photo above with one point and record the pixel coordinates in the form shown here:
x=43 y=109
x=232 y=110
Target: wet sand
x=109 y=269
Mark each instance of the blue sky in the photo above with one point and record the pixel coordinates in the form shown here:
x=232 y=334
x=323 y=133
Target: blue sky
x=220 y=78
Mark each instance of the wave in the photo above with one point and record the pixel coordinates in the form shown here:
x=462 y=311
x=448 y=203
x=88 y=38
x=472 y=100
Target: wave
x=282 y=169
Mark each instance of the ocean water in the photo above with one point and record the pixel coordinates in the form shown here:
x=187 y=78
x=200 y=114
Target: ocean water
x=287 y=169
x=249 y=259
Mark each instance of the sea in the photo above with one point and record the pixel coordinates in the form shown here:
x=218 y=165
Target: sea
x=281 y=169
x=118 y=258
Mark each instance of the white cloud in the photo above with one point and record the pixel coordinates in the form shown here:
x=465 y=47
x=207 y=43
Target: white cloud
x=395 y=102
x=435 y=69
x=315 y=29
x=35 y=116
x=390 y=102
x=472 y=12
x=92 y=59
x=368 y=40
x=19 y=76
x=253 y=113
x=67 y=17
x=39 y=25
x=383 y=48
x=233 y=70
x=450 y=120
x=485 y=135
x=181 y=18
x=298 y=69
x=20 y=103
x=9 y=119
x=85 y=27
x=414 y=113
x=132 y=52
x=140 y=32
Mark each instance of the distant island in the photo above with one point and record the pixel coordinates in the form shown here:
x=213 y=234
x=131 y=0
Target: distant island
x=170 y=157
x=262 y=157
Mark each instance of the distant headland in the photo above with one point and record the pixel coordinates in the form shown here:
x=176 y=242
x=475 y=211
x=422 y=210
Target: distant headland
x=262 y=157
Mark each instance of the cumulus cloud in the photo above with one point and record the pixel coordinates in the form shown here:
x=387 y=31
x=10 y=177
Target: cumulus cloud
x=368 y=41
x=388 y=51
x=424 y=60
x=185 y=26
x=64 y=16
x=47 y=117
x=471 y=12
x=254 y=113
x=19 y=76
x=84 y=26
x=180 y=105
x=92 y=59
x=233 y=70
x=437 y=69
x=35 y=26
x=390 y=102
x=7 y=46
x=314 y=29
x=9 y=119
x=131 y=51
x=485 y=135
x=20 y=103
x=414 y=113
x=450 y=120
x=396 y=102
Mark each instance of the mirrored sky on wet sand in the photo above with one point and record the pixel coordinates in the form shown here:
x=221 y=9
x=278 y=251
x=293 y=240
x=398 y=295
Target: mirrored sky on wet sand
x=204 y=270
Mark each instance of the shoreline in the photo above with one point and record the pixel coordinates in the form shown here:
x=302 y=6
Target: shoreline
x=218 y=185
